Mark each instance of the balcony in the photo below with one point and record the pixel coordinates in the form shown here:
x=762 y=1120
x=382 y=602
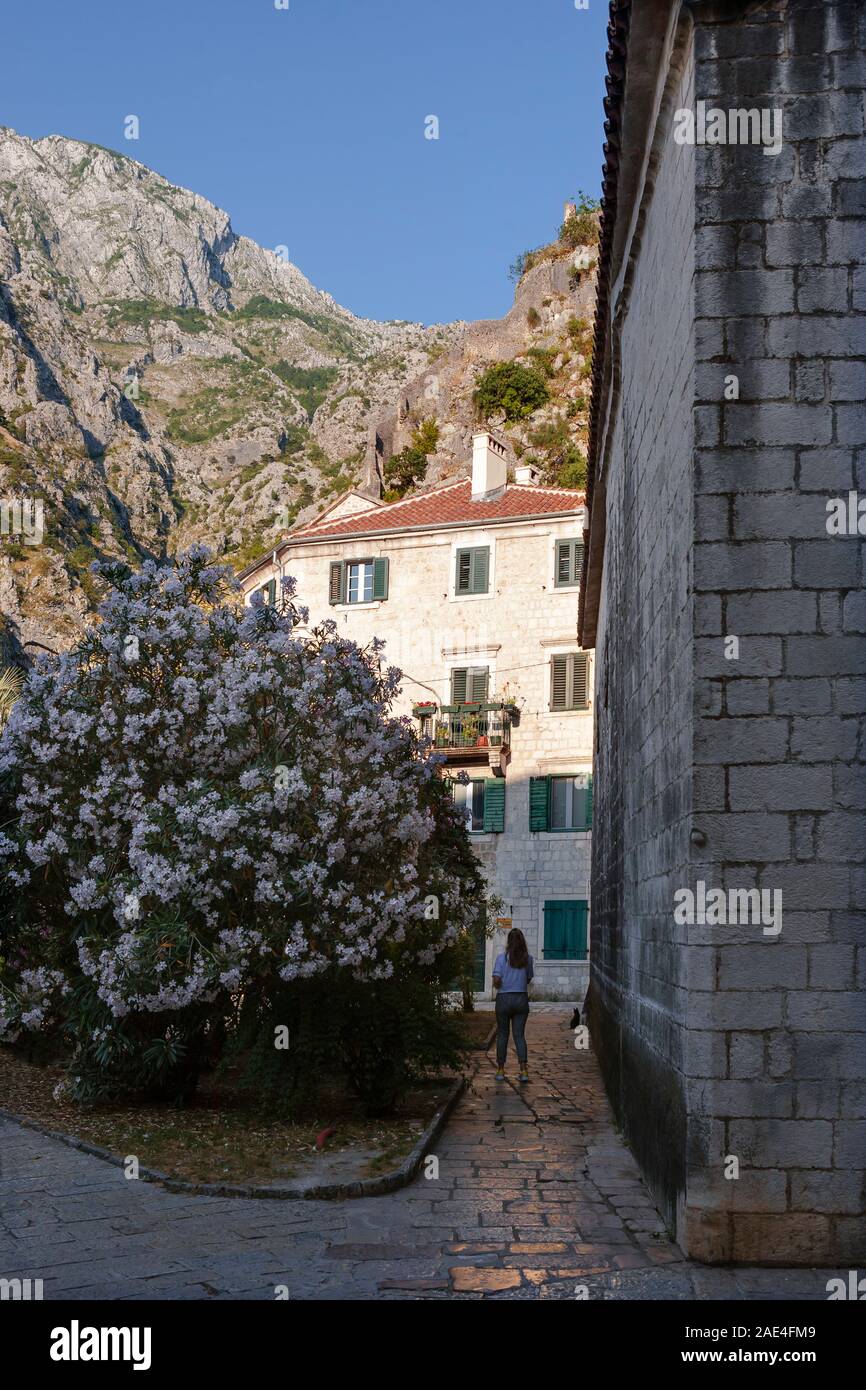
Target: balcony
x=477 y=733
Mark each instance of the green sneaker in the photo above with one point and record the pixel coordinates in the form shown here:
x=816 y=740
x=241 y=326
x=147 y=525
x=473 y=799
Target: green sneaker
x=524 y=1074
x=500 y=1075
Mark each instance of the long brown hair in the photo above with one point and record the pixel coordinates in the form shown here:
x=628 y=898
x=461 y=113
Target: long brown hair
x=516 y=950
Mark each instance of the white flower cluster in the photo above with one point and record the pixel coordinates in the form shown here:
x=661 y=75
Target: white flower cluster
x=153 y=851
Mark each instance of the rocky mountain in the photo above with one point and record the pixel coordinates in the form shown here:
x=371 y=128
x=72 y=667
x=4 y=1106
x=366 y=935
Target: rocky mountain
x=164 y=380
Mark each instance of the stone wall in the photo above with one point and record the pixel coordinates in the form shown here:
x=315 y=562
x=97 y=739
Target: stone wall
x=731 y=661
x=643 y=693
x=777 y=1058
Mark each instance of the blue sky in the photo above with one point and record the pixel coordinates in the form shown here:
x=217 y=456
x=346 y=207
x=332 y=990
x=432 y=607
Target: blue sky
x=307 y=126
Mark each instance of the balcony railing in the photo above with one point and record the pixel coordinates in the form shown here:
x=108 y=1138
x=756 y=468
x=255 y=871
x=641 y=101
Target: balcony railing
x=468 y=733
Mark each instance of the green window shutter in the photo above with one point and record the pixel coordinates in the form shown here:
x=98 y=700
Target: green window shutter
x=336 y=582
x=569 y=562
x=480 y=569
x=539 y=795
x=580 y=930
x=554 y=931
x=494 y=804
x=272 y=593
x=588 y=824
x=473 y=567
x=478 y=678
x=565 y=930
x=569 y=681
x=580 y=681
x=563 y=562
x=380 y=578
x=459 y=683
x=559 y=682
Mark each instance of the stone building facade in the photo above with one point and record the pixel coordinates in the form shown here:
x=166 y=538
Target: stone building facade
x=729 y=625
x=474 y=587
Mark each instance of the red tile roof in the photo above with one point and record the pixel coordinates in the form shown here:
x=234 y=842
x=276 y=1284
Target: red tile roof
x=446 y=505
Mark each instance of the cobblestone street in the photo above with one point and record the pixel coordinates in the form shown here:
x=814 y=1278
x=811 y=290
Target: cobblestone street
x=536 y=1195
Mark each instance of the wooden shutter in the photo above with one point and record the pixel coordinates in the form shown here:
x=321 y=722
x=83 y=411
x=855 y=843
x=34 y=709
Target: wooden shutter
x=494 y=804
x=569 y=681
x=380 y=578
x=565 y=930
x=569 y=562
x=580 y=681
x=580 y=924
x=459 y=683
x=477 y=684
x=559 y=682
x=473 y=566
x=480 y=567
x=539 y=795
x=272 y=592
x=563 y=562
x=336 y=582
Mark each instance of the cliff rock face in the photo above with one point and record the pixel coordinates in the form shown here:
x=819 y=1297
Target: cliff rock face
x=163 y=380
x=548 y=330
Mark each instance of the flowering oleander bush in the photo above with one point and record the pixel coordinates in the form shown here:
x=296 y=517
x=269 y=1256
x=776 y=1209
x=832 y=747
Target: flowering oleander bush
x=202 y=808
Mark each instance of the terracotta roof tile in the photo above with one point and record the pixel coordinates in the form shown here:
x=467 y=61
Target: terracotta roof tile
x=448 y=504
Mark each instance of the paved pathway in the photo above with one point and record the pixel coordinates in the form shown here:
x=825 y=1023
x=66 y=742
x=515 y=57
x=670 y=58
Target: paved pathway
x=536 y=1197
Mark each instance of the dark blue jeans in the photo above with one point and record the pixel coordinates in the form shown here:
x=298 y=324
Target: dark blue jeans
x=512 y=1010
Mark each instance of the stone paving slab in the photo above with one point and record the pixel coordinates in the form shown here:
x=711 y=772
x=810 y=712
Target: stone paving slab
x=537 y=1197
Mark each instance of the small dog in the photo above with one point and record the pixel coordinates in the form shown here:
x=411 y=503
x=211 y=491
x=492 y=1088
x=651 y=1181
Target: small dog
x=575 y=1018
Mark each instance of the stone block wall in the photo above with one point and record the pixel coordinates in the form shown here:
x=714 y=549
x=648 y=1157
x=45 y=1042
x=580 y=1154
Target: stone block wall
x=777 y=1064
x=643 y=758
x=731 y=643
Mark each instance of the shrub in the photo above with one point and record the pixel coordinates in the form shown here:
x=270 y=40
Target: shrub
x=511 y=388
x=533 y=317
x=404 y=469
x=310 y=384
x=202 y=809
x=581 y=228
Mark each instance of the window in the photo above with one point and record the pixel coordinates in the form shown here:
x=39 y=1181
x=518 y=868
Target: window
x=359 y=587
x=269 y=592
x=569 y=681
x=469 y=684
x=561 y=803
x=483 y=803
x=565 y=930
x=470 y=798
x=358 y=581
x=568 y=796
x=569 y=562
x=473 y=569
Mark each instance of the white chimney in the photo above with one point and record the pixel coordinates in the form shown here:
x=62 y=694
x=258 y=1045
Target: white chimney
x=527 y=473
x=489 y=467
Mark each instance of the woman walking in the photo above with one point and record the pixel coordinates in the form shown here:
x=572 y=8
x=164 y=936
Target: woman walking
x=512 y=971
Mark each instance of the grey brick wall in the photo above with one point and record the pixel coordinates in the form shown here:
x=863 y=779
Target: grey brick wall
x=641 y=805
x=721 y=1042
x=775 y=303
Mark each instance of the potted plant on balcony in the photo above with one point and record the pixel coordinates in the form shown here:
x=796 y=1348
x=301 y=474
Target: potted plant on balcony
x=424 y=709
x=469 y=731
